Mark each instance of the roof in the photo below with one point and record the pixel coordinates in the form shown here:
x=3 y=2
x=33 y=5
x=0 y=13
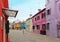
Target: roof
x=28 y=18
x=39 y=12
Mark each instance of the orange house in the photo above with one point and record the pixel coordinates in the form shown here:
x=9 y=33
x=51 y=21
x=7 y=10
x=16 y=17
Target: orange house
x=17 y=25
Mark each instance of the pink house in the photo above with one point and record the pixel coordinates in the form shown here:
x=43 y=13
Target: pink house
x=39 y=22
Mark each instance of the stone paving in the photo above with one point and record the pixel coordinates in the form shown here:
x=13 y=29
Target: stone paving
x=19 y=36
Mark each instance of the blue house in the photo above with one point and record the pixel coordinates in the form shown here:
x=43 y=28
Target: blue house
x=23 y=25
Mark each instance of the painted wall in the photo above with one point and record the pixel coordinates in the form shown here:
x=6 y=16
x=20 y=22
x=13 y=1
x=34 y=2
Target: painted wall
x=58 y=14
x=31 y=30
x=2 y=5
x=38 y=22
x=5 y=4
x=17 y=25
x=23 y=25
x=53 y=18
x=29 y=24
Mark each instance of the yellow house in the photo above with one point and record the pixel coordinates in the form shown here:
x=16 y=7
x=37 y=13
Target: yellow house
x=29 y=24
x=16 y=25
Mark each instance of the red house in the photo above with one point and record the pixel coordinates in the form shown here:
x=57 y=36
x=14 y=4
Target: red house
x=4 y=23
x=3 y=4
x=39 y=22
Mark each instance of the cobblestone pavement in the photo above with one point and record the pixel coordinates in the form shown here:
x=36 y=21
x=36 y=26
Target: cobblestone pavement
x=19 y=36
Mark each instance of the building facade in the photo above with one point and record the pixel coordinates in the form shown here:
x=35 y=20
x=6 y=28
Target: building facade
x=3 y=4
x=53 y=18
x=29 y=24
x=17 y=24
x=23 y=25
x=39 y=21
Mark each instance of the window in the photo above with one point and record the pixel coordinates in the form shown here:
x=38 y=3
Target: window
x=47 y=1
x=57 y=0
x=38 y=18
x=48 y=11
x=48 y=26
x=59 y=6
x=38 y=26
x=58 y=25
x=35 y=19
x=43 y=15
x=33 y=27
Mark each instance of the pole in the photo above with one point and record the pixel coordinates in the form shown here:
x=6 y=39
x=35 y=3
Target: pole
x=4 y=34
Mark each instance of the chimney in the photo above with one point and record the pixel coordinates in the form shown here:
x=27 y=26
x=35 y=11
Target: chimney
x=39 y=10
x=30 y=15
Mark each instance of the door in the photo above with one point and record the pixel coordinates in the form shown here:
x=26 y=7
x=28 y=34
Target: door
x=44 y=29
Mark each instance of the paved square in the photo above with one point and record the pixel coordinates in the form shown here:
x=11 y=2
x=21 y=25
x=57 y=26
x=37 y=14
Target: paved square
x=18 y=36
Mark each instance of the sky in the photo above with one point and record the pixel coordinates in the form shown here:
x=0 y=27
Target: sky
x=25 y=8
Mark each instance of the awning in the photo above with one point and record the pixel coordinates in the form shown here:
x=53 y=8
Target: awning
x=9 y=12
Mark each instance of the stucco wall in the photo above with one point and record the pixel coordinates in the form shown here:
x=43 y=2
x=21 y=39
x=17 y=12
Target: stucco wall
x=53 y=28
x=58 y=13
x=1 y=20
x=28 y=25
x=52 y=18
x=38 y=22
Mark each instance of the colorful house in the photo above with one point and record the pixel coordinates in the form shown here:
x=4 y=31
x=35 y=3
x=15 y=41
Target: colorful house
x=5 y=12
x=23 y=25
x=53 y=18
x=3 y=4
x=16 y=24
x=29 y=24
x=39 y=22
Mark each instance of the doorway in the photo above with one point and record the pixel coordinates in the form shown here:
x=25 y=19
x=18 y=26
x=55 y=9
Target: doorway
x=43 y=31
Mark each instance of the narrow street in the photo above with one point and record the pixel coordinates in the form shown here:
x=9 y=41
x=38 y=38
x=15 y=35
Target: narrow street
x=18 y=36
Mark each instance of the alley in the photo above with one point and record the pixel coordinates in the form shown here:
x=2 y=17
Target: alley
x=18 y=36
